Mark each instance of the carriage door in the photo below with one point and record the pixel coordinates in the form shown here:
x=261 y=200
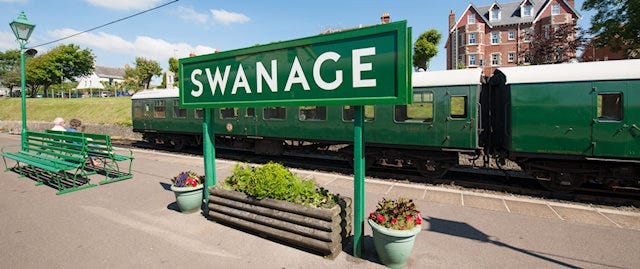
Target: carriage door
x=459 y=123
x=610 y=130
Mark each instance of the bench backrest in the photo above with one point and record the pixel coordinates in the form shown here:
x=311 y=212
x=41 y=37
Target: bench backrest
x=95 y=142
x=57 y=145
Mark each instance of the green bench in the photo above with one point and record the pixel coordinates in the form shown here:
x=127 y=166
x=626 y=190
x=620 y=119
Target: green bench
x=56 y=159
x=101 y=151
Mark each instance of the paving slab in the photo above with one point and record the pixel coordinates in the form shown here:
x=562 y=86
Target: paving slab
x=484 y=202
x=443 y=197
x=531 y=209
x=408 y=192
x=625 y=221
x=582 y=215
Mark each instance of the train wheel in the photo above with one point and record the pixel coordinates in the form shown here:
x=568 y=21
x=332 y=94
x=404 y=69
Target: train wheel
x=431 y=168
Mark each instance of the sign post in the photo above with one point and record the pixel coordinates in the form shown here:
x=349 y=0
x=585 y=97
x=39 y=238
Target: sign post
x=365 y=66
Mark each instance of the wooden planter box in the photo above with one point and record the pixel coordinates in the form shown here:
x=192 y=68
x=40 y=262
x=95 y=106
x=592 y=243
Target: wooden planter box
x=317 y=229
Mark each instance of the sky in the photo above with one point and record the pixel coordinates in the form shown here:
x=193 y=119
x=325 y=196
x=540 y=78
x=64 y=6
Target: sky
x=203 y=26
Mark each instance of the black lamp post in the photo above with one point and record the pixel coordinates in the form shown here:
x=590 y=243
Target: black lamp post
x=22 y=29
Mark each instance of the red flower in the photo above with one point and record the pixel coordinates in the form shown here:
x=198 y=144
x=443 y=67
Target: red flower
x=372 y=216
x=394 y=220
x=409 y=218
x=380 y=218
x=419 y=219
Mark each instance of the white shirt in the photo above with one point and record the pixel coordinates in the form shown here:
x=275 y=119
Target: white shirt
x=58 y=128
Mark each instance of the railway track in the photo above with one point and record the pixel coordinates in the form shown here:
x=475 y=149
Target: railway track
x=477 y=179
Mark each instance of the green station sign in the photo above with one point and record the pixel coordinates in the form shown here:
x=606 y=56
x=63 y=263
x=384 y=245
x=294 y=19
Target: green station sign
x=365 y=66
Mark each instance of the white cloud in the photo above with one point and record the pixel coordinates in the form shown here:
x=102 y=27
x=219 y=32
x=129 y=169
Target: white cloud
x=190 y=15
x=124 y=4
x=13 y=1
x=225 y=17
x=143 y=46
x=8 y=41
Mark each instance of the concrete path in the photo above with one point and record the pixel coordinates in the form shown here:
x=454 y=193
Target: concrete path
x=135 y=224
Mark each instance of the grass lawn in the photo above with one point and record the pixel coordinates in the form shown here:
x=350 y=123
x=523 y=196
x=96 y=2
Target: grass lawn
x=109 y=110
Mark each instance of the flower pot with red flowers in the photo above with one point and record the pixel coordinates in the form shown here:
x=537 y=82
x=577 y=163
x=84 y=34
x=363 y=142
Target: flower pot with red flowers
x=395 y=224
x=187 y=187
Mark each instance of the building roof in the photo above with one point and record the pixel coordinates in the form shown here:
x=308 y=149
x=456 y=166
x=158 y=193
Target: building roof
x=607 y=70
x=109 y=72
x=511 y=12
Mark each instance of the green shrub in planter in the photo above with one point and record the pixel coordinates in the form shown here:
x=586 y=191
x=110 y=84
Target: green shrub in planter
x=273 y=180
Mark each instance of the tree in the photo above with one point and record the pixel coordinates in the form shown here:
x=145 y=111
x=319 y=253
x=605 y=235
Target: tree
x=140 y=76
x=62 y=62
x=425 y=48
x=558 y=44
x=9 y=67
x=173 y=67
x=616 y=24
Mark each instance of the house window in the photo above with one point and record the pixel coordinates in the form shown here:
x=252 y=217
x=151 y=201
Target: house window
x=420 y=111
x=481 y=62
x=274 y=113
x=512 y=34
x=495 y=38
x=555 y=9
x=458 y=107
x=528 y=34
x=527 y=11
x=547 y=29
x=462 y=39
x=472 y=38
x=471 y=18
x=610 y=106
x=512 y=56
x=312 y=113
x=473 y=59
x=348 y=113
x=495 y=14
x=159 y=109
x=495 y=59
x=229 y=113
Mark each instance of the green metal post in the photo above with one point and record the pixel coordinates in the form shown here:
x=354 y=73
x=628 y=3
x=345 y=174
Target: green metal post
x=358 y=181
x=209 y=149
x=23 y=134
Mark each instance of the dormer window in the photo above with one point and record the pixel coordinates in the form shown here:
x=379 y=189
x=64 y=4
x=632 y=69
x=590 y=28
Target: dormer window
x=495 y=14
x=527 y=11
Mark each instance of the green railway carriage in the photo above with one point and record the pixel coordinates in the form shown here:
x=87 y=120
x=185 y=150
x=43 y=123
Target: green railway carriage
x=428 y=134
x=570 y=124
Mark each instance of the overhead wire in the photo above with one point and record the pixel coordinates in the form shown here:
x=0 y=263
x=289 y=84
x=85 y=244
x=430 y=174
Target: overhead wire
x=106 y=24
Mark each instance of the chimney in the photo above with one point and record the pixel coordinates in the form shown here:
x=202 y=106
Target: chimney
x=385 y=18
x=452 y=19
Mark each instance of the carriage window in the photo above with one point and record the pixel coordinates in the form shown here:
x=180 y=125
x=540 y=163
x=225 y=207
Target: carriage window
x=610 y=106
x=420 y=111
x=228 y=113
x=313 y=113
x=137 y=110
x=146 y=110
x=159 y=109
x=251 y=112
x=348 y=113
x=274 y=113
x=178 y=112
x=199 y=113
x=458 y=107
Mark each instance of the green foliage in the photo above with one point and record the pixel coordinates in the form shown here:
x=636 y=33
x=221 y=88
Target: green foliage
x=62 y=62
x=425 y=48
x=273 y=180
x=616 y=24
x=141 y=74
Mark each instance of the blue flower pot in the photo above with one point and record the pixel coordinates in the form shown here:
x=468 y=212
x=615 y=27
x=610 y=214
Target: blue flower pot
x=189 y=199
x=393 y=246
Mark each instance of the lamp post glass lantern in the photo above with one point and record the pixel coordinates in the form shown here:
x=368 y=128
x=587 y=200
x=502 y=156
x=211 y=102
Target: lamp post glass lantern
x=22 y=29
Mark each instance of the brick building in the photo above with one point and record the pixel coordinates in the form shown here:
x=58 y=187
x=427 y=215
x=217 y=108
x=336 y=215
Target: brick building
x=495 y=35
